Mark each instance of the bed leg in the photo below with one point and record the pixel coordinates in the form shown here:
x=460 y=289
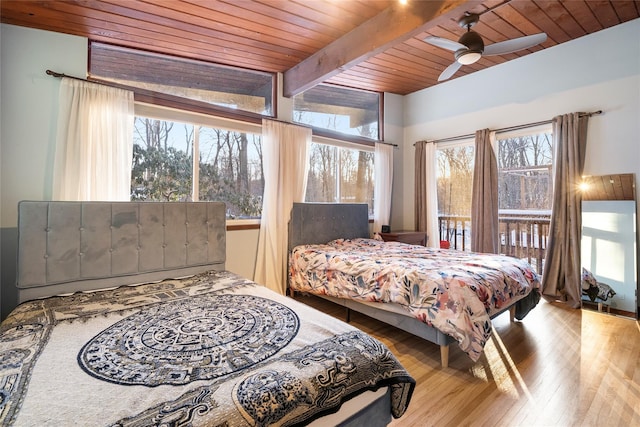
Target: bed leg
x=292 y=293
x=348 y=315
x=444 y=356
x=512 y=313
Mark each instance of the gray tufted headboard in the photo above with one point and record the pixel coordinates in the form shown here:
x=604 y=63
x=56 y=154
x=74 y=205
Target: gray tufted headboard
x=313 y=223
x=78 y=246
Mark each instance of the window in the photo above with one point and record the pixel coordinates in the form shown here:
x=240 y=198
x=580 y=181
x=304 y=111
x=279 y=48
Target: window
x=229 y=166
x=341 y=110
x=179 y=79
x=525 y=164
x=455 y=184
x=340 y=174
x=525 y=193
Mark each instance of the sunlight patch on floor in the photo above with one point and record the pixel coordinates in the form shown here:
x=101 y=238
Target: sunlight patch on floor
x=503 y=370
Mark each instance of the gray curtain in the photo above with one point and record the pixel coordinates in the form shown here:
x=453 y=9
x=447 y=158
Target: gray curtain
x=484 y=199
x=421 y=187
x=561 y=276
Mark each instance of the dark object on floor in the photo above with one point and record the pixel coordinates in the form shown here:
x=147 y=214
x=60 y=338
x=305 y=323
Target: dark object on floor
x=593 y=289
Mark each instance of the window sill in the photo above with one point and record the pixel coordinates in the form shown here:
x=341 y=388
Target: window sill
x=243 y=224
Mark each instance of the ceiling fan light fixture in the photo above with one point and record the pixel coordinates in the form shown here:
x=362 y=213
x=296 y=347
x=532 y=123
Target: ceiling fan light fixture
x=468 y=57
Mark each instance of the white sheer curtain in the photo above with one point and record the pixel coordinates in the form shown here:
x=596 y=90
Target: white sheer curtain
x=432 y=196
x=383 y=161
x=426 y=192
x=285 y=149
x=94 y=145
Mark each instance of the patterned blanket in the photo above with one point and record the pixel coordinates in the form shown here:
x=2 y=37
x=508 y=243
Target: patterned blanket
x=214 y=349
x=454 y=291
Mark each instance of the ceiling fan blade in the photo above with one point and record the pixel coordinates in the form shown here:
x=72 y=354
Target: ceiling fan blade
x=449 y=71
x=514 y=45
x=444 y=43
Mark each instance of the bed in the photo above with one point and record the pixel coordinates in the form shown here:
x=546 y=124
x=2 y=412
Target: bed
x=127 y=317
x=443 y=296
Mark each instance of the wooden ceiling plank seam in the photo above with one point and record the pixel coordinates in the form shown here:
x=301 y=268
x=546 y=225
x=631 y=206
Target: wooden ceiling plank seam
x=531 y=9
x=288 y=15
x=171 y=32
x=523 y=27
x=199 y=26
x=626 y=10
x=398 y=63
x=398 y=76
x=374 y=86
x=604 y=12
x=583 y=15
x=365 y=70
x=239 y=26
x=420 y=57
x=405 y=64
x=348 y=9
x=103 y=28
x=556 y=11
x=507 y=29
x=235 y=10
x=328 y=14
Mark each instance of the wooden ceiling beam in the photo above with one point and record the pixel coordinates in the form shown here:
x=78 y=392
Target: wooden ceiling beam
x=391 y=26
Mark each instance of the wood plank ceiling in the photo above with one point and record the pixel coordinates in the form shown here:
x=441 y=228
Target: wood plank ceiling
x=373 y=45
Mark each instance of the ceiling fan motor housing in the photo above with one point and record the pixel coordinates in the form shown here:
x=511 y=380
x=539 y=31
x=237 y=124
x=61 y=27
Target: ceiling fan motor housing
x=472 y=41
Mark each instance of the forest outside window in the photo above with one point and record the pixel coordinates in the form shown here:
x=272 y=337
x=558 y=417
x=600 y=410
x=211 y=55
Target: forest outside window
x=525 y=192
x=340 y=174
x=525 y=162
x=454 y=177
x=229 y=166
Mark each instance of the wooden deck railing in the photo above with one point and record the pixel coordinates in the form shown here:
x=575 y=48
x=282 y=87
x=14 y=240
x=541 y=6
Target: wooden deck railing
x=522 y=235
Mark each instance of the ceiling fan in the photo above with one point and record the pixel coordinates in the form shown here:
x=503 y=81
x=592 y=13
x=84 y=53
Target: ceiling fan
x=470 y=47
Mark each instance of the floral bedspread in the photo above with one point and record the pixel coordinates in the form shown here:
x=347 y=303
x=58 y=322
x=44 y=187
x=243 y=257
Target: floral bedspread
x=453 y=291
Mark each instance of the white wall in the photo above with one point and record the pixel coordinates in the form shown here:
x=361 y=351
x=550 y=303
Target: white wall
x=596 y=72
x=29 y=109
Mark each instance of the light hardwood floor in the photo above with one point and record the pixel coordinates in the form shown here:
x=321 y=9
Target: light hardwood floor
x=558 y=367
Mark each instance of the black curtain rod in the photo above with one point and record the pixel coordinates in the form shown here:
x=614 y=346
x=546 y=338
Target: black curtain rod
x=60 y=75
x=508 y=129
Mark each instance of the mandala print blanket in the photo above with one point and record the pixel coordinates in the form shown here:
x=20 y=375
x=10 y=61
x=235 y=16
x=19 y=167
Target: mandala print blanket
x=214 y=349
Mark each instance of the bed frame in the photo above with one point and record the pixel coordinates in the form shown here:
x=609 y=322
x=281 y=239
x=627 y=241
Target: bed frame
x=313 y=223
x=65 y=247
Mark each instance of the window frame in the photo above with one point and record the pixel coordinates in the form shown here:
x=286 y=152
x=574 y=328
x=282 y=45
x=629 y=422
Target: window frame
x=528 y=131
x=160 y=112
x=348 y=145
x=339 y=136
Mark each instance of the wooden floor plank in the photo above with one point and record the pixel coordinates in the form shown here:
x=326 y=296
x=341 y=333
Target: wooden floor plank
x=558 y=367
